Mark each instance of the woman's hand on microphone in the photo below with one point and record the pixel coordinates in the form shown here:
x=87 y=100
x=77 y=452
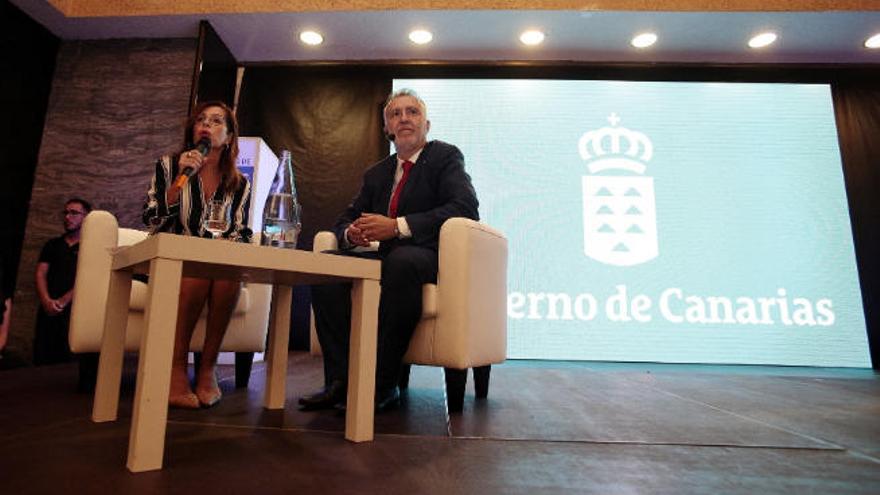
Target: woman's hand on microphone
x=191 y=159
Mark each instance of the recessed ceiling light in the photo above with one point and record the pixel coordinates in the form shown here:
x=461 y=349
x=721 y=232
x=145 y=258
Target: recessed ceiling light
x=420 y=36
x=873 y=41
x=531 y=37
x=762 y=40
x=311 y=37
x=644 y=40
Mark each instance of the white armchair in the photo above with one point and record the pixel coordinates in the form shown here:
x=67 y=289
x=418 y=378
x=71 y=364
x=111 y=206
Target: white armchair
x=247 y=329
x=464 y=316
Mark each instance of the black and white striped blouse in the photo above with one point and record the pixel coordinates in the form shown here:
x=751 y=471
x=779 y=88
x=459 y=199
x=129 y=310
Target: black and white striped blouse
x=186 y=216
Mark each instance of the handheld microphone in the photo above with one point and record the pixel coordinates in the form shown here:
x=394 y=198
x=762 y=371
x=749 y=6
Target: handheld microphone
x=203 y=147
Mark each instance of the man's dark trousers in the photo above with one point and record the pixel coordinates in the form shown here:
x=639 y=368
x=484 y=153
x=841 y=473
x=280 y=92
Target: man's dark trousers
x=405 y=268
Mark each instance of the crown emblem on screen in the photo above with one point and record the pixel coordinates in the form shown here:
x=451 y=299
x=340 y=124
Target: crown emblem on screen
x=615 y=148
x=620 y=212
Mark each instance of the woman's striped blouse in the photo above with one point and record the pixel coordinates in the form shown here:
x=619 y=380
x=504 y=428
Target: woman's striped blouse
x=186 y=216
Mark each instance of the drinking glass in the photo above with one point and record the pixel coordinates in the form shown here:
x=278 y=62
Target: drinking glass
x=216 y=218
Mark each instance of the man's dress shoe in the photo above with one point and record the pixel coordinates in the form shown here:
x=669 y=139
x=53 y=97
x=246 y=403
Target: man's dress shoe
x=385 y=401
x=324 y=399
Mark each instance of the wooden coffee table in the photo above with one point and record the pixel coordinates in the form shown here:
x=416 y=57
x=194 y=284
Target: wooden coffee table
x=166 y=258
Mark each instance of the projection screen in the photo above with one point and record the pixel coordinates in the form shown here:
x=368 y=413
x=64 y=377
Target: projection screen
x=663 y=221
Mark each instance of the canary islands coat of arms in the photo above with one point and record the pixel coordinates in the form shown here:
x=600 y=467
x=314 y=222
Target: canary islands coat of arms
x=620 y=212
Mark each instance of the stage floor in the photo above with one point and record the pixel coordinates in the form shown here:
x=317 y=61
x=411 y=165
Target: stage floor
x=547 y=427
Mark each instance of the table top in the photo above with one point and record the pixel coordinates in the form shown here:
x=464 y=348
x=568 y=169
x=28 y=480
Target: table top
x=218 y=259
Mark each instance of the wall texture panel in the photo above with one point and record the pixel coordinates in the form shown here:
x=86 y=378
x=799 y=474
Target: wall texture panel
x=115 y=106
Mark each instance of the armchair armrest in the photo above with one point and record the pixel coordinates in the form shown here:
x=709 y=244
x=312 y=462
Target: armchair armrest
x=324 y=240
x=100 y=234
x=472 y=291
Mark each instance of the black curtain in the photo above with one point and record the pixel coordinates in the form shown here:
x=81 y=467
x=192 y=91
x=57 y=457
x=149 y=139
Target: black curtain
x=857 y=110
x=331 y=121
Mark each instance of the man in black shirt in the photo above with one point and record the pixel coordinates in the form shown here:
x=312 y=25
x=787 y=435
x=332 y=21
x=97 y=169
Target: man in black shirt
x=55 y=274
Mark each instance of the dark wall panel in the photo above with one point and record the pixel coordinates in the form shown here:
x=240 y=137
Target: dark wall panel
x=217 y=69
x=27 y=62
x=857 y=109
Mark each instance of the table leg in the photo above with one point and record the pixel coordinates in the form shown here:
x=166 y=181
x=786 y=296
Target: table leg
x=112 y=348
x=276 y=356
x=362 y=361
x=147 y=439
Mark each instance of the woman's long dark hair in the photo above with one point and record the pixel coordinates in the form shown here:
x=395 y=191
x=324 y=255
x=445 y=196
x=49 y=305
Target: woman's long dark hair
x=228 y=156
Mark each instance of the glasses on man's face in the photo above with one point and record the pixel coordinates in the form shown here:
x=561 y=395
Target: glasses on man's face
x=211 y=120
x=73 y=213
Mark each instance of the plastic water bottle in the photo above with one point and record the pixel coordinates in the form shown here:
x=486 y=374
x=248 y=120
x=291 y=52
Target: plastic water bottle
x=282 y=212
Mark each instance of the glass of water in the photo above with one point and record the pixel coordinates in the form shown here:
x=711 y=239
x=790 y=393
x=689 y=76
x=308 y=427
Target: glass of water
x=216 y=218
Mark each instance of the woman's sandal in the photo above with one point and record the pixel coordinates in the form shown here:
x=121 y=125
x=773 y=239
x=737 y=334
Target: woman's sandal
x=188 y=400
x=211 y=396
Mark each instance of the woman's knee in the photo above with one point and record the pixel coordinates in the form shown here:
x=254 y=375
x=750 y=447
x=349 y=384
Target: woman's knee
x=193 y=293
x=225 y=290
x=222 y=301
x=194 y=290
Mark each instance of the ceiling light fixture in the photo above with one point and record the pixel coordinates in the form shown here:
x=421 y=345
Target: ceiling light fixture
x=531 y=37
x=311 y=38
x=762 y=40
x=873 y=41
x=644 y=40
x=420 y=36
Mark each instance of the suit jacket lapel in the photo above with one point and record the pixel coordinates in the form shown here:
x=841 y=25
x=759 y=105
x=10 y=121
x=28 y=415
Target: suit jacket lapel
x=389 y=167
x=414 y=173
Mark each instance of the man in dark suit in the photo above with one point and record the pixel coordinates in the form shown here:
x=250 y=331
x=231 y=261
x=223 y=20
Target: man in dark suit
x=402 y=203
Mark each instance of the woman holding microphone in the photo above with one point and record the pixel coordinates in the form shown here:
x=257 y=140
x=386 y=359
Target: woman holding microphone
x=184 y=188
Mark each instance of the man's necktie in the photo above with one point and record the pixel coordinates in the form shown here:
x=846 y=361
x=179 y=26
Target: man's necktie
x=392 y=207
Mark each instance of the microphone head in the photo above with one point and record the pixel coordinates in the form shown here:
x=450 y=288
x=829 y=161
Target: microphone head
x=204 y=146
